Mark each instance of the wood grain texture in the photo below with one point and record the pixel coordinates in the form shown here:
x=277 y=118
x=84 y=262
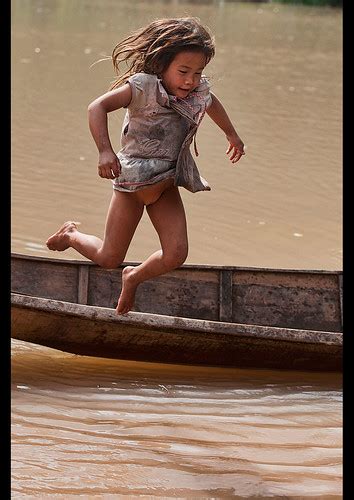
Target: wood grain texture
x=210 y=315
x=98 y=331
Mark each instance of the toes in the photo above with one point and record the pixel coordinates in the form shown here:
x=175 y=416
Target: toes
x=122 y=312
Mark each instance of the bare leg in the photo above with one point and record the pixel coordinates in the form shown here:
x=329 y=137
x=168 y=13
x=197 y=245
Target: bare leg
x=168 y=217
x=123 y=216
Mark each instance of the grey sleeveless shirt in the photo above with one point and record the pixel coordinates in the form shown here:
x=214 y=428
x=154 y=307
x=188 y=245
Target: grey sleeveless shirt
x=157 y=131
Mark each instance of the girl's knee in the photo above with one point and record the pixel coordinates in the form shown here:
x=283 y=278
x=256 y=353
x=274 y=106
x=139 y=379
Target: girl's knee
x=110 y=262
x=176 y=256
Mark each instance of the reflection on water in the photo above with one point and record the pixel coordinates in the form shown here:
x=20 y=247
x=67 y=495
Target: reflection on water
x=278 y=73
x=89 y=426
x=103 y=428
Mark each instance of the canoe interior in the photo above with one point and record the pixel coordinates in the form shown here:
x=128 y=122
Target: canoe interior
x=307 y=300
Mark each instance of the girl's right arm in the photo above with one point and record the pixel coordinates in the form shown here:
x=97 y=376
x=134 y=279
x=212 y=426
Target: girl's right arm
x=108 y=164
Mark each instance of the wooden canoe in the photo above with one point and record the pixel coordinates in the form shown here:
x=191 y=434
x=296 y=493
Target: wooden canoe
x=202 y=315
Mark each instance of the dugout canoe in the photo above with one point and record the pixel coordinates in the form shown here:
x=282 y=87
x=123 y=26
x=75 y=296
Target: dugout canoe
x=197 y=314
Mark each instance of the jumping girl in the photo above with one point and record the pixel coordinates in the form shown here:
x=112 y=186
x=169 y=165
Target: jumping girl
x=166 y=96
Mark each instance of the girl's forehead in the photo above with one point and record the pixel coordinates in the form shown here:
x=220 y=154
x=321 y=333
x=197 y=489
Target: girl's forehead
x=191 y=59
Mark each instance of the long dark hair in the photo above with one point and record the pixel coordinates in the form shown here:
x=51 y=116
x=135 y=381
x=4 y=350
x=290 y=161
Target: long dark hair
x=152 y=48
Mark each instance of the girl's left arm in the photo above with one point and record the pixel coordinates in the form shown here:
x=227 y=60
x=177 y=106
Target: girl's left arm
x=217 y=113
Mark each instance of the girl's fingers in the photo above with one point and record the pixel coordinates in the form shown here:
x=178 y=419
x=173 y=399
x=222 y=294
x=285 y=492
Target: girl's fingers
x=102 y=173
x=115 y=169
x=108 y=172
x=235 y=152
x=236 y=155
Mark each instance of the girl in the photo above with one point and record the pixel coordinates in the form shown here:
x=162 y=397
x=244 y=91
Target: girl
x=166 y=96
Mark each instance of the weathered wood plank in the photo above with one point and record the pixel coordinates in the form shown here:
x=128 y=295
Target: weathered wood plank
x=283 y=298
x=225 y=295
x=340 y=284
x=83 y=283
x=192 y=294
x=303 y=301
x=44 y=279
x=104 y=287
x=100 y=332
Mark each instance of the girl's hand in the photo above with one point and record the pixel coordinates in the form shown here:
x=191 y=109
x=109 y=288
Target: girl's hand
x=108 y=165
x=236 y=147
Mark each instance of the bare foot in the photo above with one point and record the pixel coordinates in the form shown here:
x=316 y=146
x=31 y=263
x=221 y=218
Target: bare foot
x=127 y=295
x=61 y=239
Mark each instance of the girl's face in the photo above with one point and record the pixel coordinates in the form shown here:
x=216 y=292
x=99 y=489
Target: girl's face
x=183 y=74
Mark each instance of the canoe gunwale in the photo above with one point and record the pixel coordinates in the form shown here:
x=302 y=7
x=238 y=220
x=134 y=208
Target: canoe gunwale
x=157 y=322
x=84 y=262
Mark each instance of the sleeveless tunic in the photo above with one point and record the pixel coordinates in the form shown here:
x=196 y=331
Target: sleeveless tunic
x=157 y=131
